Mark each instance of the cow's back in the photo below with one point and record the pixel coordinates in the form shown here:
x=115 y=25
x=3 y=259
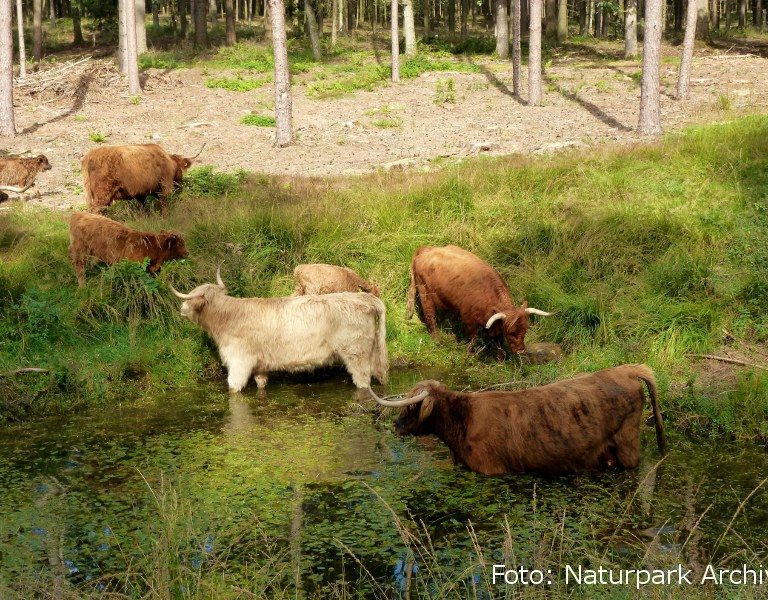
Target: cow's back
x=104 y=238
x=321 y=278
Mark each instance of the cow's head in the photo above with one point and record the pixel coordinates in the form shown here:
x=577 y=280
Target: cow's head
x=173 y=244
x=196 y=301
x=181 y=165
x=514 y=324
x=41 y=163
x=415 y=407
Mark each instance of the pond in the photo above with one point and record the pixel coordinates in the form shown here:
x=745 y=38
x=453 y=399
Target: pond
x=302 y=488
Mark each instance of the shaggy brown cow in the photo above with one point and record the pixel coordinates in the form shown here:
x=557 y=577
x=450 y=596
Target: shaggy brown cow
x=110 y=242
x=452 y=279
x=577 y=424
x=18 y=174
x=329 y=279
x=133 y=171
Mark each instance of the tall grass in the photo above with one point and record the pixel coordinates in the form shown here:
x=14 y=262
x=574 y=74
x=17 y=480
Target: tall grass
x=645 y=254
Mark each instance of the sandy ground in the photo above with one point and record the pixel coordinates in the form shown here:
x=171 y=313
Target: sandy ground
x=585 y=103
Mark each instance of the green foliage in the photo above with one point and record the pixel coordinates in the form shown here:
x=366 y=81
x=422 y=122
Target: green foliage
x=258 y=120
x=205 y=181
x=98 y=138
x=724 y=102
x=237 y=84
x=445 y=91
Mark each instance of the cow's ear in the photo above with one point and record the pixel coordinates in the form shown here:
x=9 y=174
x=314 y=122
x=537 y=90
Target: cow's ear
x=197 y=303
x=426 y=408
x=171 y=241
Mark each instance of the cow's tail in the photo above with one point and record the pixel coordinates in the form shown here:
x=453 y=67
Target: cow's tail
x=380 y=358
x=644 y=372
x=411 y=305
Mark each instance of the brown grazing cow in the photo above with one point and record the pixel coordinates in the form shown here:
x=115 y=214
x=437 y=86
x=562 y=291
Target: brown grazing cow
x=578 y=424
x=18 y=174
x=455 y=280
x=110 y=242
x=329 y=279
x=134 y=171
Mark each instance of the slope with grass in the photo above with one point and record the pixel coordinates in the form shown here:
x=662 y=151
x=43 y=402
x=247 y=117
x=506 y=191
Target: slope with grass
x=646 y=254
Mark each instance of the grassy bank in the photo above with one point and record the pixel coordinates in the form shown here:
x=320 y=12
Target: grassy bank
x=646 y=254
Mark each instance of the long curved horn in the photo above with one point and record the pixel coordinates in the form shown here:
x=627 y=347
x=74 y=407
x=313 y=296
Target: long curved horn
x=179 y=294
x=219 y=280
x=198 y=152
x=495 y=318
x=399 y=403
x=536 y=311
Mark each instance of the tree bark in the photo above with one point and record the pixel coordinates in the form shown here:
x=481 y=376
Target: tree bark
x=409 y=28
x=37 y=30
x=395 y=35
x=583 y=17
x=283 y=116
x=7 y=123
x=213 y=10
x=534 y=55
x=688 y=42
x=122 y=36
x=201 y=24
x=156 y=13
x=22 y=49
x=562 y=21
x=630 y=29
x=502 y=29
x=650 y=96
x=183 y=19
x=702 y=19
x=598 y=21
x=141 y=26
x=314 y=37
x=464 y=20
x=132 y=58
x=229 y=15
x=427 y=13
x=334 y=21
x=452 y=16
x=516 y=49
x=742 y=14
x=550 y=18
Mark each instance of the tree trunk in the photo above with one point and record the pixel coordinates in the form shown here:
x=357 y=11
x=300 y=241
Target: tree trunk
x=183 y=19
x=550 y=18
x=22 y=49
x=122 y=37
x=742 y=14
x=427 y=12
x=314 y=37
x=52 y=11
x=583 y=17
x=37 y=30
x=702 y=19
x=562 y=21
x=688 y=42
x=229 y=15
x=604 y=20
x=630 y=29
x=598 y=21
x=534 y=55
x=409 y=28
x=283 y=127
x=7 y=123
x=451 y=16
x=395 y=35
x=212 y=11
x=132 y=57
x=650 y=97
x=516 y=49
x=464 y=28
x=334 y=22
x=141 y=26
x=156 y=13
x=201 y=25
x=77 y=29
x=502 y=29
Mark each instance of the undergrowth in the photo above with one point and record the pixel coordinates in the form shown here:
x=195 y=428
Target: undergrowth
x=649 y=254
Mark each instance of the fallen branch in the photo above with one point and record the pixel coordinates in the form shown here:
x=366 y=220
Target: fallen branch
x=725 y=359
x=51 y=75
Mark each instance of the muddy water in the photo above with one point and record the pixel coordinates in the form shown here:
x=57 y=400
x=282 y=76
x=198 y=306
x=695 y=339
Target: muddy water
x=302 y=476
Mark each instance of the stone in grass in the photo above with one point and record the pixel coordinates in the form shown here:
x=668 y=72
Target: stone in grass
x=542 y=353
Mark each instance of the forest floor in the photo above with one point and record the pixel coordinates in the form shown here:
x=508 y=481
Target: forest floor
x=349 y=120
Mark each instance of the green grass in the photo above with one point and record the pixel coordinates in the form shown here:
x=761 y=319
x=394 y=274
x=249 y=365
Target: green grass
x=236 y=84
x=644 y=254
x=258 y=120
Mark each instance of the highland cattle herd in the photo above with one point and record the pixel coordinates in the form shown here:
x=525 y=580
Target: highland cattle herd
x=336 y=317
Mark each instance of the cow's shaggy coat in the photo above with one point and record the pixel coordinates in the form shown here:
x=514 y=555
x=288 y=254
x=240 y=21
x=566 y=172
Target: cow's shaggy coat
x=578 y=424
x=133 y=171
x=18 y=174
x=329 y=279
x=451 y=279
x=299 y=333
x=110 y=242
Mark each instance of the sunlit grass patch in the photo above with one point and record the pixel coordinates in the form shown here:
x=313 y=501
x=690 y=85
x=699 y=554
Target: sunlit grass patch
x=258 y=120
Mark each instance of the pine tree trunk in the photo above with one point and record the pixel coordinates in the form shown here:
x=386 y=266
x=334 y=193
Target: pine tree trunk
x=716 y=15
x=213 y=12
x=183 y=19
x=314 y=37
x=688 y=42
x=534 y=54
x=583 y=17
x=201 y=24
x=132 y=58
x=52 y=11
x=516 y=49
x=122 y=37
x=22 y=49
x=451 y=17
x=156 y=13
x=427 y=4
x=395 y=34
x=283 y=116
x=550 y=18
x=502 y=29
x=742 y=14
x=141 y=26
x=650 y=97
x=334 y=22
x=464 y=29
x=229 y=15
x=37 y=30
x=7 y=123
x=702 y=19
x=562 y=21
x=598 y=21
x=630 y=29
x=604 y=21
x=409 y=28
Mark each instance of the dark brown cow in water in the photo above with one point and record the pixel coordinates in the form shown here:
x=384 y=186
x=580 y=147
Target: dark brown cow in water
x=18 y=174
x=454 y=280
x=133 y=171
x=578 y=424
x=110 y=242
